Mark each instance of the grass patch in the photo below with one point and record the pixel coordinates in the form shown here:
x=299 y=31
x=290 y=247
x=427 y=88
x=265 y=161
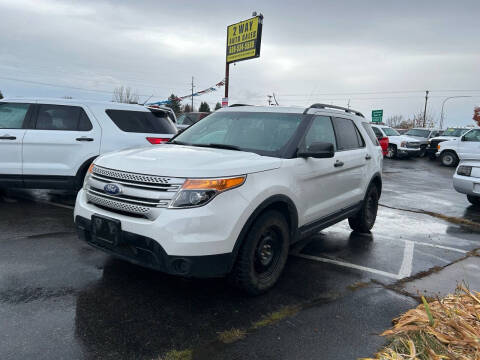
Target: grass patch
x=358 y=285
x=276 y=316
x=178 y=355
x=232 y=335
x=447 y=328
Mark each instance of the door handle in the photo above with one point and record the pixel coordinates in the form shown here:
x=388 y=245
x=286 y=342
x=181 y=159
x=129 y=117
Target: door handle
x=367 y=157
x=84 y=139
x=338 y=163
x=8 y=137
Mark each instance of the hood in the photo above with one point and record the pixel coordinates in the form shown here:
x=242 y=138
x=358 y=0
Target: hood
x=445 y=138
x=405 y=138
x=187 y=161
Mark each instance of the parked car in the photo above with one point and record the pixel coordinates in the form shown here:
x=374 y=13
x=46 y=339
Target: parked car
x=401 y=131
x=50 y=143
x=399 y=145
x=466 y=147
x=448 y=134
x=466 y=180
x=188 y=119
x=423 y=135
x=232 y=193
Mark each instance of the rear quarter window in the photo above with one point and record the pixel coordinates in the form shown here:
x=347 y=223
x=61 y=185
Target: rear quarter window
x=141 y=121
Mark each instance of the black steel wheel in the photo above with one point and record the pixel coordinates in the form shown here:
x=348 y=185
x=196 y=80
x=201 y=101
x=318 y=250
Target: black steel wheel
x=263 y=254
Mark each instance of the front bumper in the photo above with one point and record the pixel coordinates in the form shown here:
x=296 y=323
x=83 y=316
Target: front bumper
x=467 y=184
x=149 y=253
x=407 y=152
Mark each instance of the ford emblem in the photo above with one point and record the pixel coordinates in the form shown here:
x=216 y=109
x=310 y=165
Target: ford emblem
x=112 y=189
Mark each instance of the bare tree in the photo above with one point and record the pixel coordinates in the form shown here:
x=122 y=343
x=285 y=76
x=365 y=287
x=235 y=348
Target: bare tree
x=395 y=121
x=123 y=94
x=476 y=115
x=416 y=120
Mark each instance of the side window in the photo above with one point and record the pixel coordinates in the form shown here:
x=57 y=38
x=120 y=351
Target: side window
x=370 y=133
x=62 y=117
x=378 y=132
x=321 y=130
x=12 y=115
x=473 y=135
x=348 y=137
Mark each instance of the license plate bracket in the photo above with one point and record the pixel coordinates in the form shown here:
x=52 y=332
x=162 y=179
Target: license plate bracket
x=106 y=231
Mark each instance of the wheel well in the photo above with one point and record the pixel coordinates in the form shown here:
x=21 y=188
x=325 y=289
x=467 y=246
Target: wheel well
x=81 y=172
x=280 y=203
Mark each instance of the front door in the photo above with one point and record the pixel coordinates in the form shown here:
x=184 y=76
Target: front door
x=469 y=145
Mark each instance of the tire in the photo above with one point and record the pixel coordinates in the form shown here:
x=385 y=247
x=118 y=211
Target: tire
x=474 y=200
x=432 y=157
x=423 y=152
x=263 y=254
x=391 y=152
x=449 y=158
x=364 y=220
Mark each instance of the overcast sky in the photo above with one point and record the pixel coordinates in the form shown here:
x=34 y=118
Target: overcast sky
x=379 y=54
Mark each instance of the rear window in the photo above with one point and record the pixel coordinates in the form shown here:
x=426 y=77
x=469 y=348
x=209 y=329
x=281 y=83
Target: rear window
x=371 y=134
x=141 y=121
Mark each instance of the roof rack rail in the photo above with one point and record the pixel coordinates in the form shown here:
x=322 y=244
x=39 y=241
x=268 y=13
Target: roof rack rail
x=236 y=105
x=326 y=106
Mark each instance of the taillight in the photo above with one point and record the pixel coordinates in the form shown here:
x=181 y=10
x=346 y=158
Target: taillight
x=156 y=141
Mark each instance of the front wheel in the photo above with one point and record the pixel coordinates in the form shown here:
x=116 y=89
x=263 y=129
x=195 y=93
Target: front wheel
x=364 y=220
x=263 y=254
x=474 y=200
x=423 y=152
x=449 y=158
x=391 y=152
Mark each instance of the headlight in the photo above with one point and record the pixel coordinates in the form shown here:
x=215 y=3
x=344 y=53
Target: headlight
x=87 y=176
x=464 y=170
x=403 y=144
x=198 y=192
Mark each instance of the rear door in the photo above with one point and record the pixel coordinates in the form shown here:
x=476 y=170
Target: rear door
x=351 y=159
x=137 y=128
x=62 y=138
x=13 y=117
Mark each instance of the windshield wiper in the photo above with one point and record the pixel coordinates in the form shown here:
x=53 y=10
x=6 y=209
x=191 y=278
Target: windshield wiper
x=219 y=146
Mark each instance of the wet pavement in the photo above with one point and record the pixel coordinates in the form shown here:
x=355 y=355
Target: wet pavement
x=61 y=299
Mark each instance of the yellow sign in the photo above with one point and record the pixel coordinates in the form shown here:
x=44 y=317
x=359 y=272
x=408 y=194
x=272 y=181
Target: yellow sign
x=244 y=39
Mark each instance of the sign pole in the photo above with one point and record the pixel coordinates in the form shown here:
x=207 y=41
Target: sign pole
x=227 y=79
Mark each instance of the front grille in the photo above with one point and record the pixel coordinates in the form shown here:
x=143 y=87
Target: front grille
x=434 y=143
x=141 y=195
x=413 y=145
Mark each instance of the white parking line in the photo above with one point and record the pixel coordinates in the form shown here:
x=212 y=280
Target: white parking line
x=407 y=262
x=56 y=204
x=441 y=247
x=348 y=265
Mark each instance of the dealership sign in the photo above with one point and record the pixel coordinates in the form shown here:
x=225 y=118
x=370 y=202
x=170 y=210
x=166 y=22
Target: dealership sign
x=244 y=39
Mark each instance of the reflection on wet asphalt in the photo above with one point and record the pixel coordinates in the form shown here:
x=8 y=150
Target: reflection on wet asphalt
x=60 y=298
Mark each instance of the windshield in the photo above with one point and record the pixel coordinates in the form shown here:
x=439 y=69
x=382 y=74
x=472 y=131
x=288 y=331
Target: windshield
x=418 y=132
x=454 y=132
x=390 y=132
x=262 y=133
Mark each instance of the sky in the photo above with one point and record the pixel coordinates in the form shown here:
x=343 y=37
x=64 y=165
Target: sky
x=369 y=54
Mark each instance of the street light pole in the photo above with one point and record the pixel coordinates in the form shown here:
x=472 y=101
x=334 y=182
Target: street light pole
x=443 y=104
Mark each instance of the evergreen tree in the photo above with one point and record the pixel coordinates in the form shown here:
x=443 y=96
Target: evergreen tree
x=187 y=108
x=1 y=95
x=175 y=104
x=218 y=106
x=204 y=107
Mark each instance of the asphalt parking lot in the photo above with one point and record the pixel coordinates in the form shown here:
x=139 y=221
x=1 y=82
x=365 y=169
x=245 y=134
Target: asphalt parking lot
x=61 y=299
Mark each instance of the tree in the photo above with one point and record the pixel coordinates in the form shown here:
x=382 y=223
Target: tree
x=123 y=94
x=394 y=121
x=174 y=103
x=1 y=95
x=218 y=106
x=476 y=115
x=187 y=108
x=204 y=107
x=417 y=120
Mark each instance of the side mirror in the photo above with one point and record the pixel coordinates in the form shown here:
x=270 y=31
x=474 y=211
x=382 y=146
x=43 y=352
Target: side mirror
x=319 y=150
x=463 y=138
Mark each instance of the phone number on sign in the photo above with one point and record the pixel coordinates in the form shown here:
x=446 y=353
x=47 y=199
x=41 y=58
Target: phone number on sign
x=248 y=45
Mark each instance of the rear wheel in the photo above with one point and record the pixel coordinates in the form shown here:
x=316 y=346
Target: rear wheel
x=364 y=220
x=263 y=254
x=391 y=152
x=474 y=200
x=449 y=158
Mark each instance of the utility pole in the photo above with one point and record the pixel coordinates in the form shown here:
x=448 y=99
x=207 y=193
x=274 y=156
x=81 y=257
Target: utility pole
x=269 y=100
x=192 y=92
x=425 y=110
x=348 y=104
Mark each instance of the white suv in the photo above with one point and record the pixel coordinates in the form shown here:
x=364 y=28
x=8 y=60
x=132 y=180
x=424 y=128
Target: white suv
x=50 y=143
x=232 y=192
x=466 y=147
x=398 y=145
